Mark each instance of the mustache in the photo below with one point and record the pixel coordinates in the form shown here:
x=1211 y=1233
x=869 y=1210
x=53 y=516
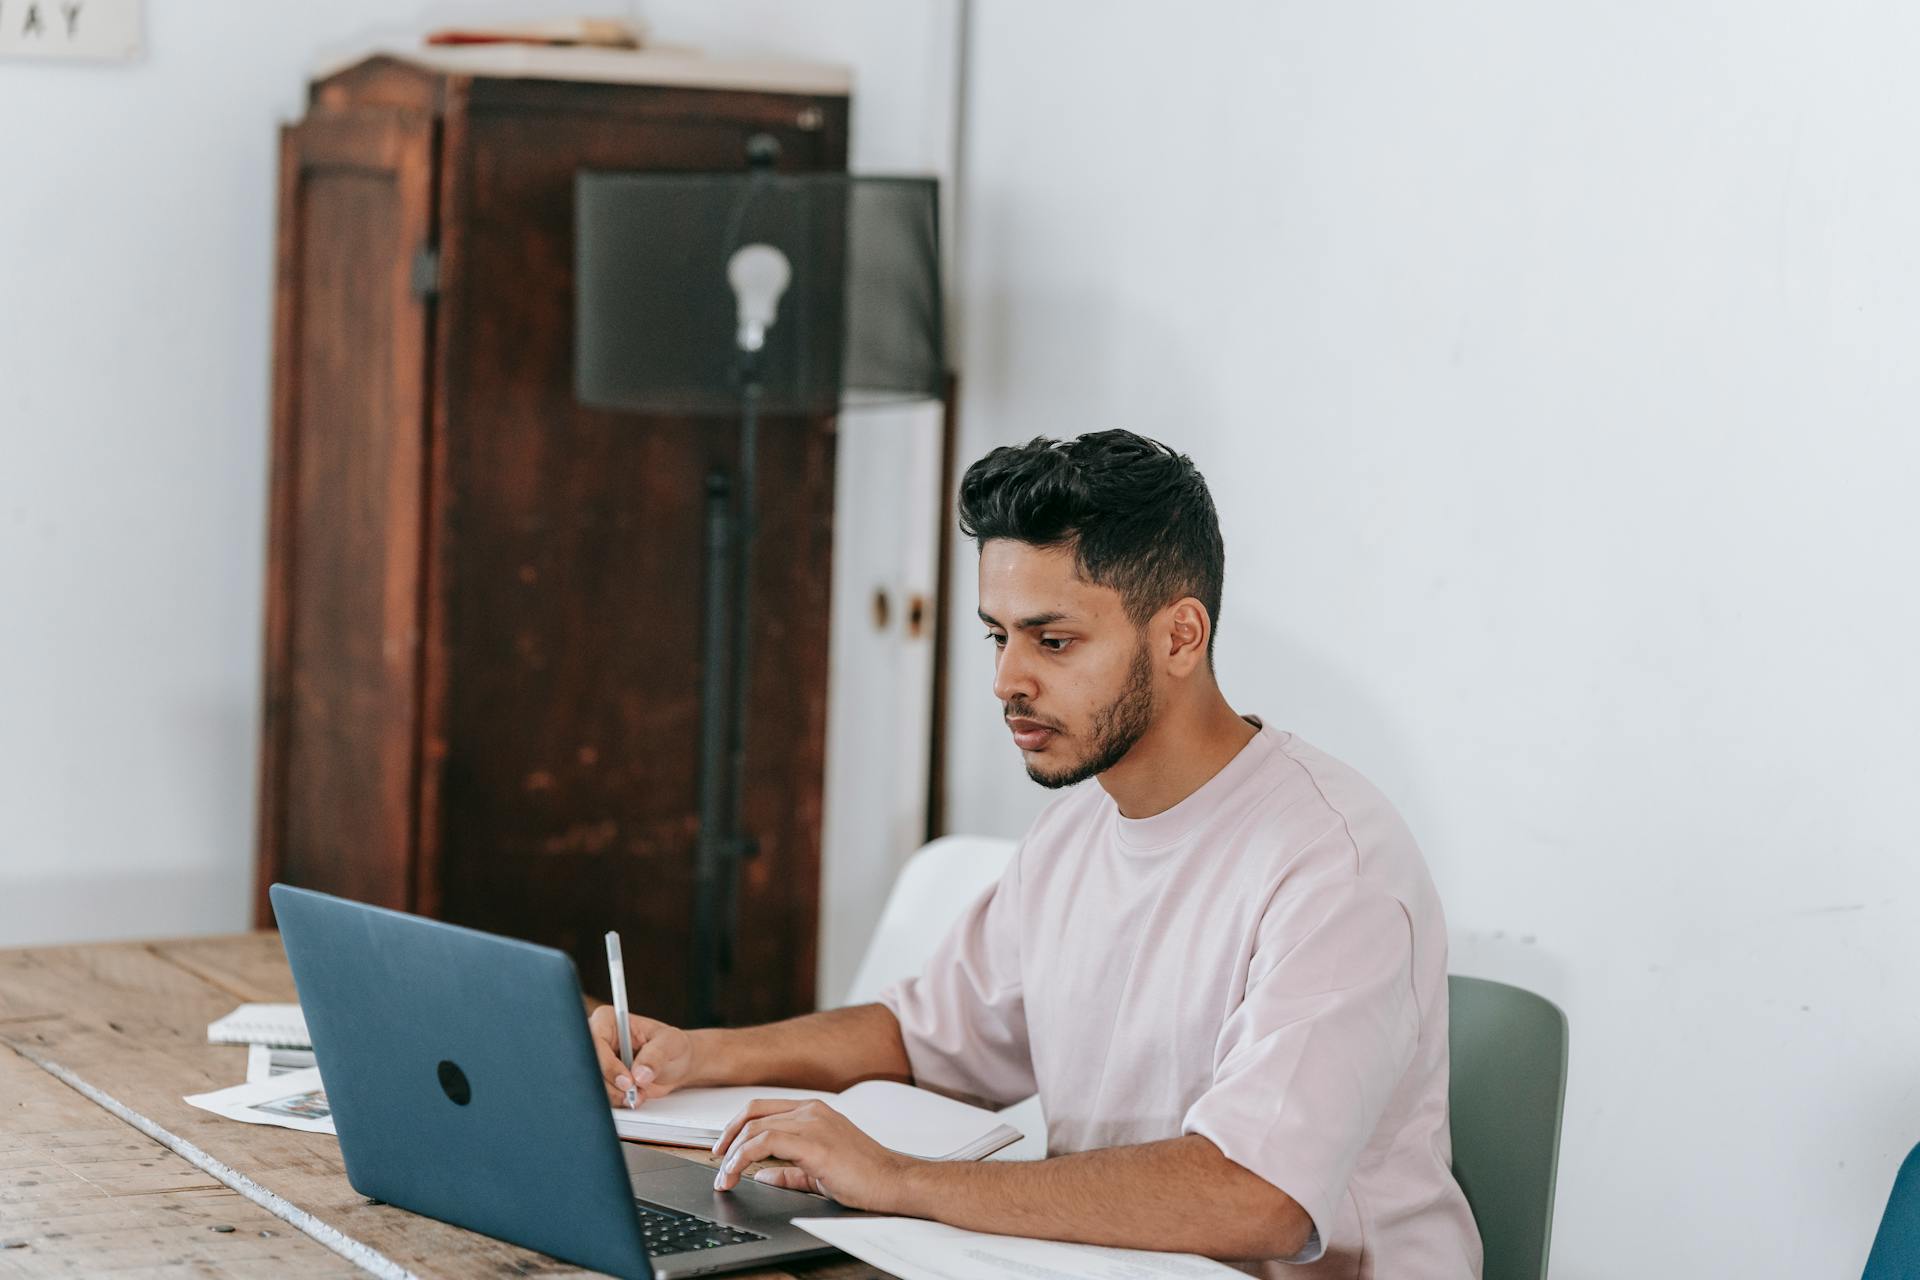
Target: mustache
x=1017 y=710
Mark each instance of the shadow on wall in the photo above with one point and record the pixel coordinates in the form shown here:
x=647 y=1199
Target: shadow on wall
x=111 y=905
x=1295 y=688
x=1515 y=959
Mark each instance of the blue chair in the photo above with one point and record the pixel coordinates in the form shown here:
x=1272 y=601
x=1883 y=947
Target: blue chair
x=1896 y=1246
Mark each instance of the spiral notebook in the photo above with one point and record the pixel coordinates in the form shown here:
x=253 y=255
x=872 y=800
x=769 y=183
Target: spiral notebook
x=279 y=1026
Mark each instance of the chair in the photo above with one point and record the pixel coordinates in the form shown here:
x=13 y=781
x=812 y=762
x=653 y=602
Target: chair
x=1896 y=1246
x=1508 y=1051
x=926 y=898
x=933 y=888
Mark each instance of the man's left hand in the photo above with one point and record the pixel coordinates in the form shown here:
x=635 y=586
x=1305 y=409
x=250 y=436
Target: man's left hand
x=831 y=1156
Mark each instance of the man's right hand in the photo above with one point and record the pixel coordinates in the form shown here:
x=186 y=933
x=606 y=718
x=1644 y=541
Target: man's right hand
x=662 y=1056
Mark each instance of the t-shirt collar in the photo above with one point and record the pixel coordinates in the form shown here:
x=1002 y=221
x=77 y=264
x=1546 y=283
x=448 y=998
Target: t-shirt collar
x=1163 y=830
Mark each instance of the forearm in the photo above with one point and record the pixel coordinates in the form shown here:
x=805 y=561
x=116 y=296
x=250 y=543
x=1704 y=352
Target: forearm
x=1181 y=1195
x=830 y=1050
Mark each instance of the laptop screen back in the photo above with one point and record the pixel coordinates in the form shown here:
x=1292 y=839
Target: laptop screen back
x=462 y=1078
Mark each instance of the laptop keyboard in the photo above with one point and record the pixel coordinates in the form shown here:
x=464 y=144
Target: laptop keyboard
x=671 y=1231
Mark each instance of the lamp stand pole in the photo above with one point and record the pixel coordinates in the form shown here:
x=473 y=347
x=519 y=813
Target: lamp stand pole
x=726 y=686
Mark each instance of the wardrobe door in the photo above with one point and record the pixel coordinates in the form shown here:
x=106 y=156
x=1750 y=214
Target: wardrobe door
x=880 y=694
x=340 y=752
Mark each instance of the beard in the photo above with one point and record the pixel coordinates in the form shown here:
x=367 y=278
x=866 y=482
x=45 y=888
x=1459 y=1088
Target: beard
x=1116 y=727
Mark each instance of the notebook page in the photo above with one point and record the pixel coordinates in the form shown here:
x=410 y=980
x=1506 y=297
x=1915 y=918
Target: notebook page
x=709 y=1110
x=915 y=1122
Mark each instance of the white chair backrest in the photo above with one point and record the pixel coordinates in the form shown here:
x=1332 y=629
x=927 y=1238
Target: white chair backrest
x=935 y=886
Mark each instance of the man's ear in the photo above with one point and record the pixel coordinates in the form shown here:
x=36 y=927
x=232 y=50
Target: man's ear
x=1188 y=628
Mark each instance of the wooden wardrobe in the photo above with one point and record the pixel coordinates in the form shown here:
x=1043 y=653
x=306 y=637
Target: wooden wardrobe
x=483 y=617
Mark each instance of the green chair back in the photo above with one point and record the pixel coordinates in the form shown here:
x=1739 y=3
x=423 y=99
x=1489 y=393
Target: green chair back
x=1508 y=1050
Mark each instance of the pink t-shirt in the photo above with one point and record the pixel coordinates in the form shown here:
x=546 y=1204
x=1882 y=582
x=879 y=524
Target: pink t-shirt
x=1264 y=964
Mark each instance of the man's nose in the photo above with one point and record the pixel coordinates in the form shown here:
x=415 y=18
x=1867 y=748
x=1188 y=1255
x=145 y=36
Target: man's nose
x=1011 y=676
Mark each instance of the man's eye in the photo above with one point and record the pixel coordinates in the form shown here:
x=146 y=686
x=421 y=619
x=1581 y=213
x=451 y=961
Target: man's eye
x=997 y=638
x=1055 y=643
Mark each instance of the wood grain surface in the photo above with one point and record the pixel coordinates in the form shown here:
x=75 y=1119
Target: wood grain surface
x=82 y=1193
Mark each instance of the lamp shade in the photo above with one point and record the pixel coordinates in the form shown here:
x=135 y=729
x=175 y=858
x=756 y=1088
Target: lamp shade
x=896 y=315
x=655 y=317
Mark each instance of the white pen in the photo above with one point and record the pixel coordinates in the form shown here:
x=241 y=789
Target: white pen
x=617 y=973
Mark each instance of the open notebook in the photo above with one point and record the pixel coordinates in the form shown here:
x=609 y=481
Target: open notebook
x=913 y=1122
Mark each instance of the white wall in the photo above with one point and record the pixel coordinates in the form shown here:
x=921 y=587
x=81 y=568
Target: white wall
x=1552 y=366
x=136 y=221
x=136 y=252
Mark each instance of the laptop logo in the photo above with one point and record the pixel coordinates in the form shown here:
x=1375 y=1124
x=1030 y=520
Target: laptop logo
x=453 y=1082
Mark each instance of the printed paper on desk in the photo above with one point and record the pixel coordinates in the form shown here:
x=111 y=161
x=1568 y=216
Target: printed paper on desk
x=915 y=1249
x=296 y=1100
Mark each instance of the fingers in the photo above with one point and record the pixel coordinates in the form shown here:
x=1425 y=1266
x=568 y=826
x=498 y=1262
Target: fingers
x=766 y=1142
x=652 y=1050
x=606 y=1049
x=658 y=1047
x=624 y=1088
x=753 y=1111
x=790 y=1178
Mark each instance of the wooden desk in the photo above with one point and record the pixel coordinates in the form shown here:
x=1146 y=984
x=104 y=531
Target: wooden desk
x=84 y=1193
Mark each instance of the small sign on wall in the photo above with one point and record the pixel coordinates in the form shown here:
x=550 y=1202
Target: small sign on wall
x=98 y=29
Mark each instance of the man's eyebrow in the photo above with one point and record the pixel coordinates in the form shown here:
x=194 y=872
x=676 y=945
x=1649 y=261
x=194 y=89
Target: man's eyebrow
x=1025 y=624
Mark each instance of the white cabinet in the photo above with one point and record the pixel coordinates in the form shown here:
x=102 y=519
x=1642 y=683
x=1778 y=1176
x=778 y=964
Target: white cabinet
x=887 y=513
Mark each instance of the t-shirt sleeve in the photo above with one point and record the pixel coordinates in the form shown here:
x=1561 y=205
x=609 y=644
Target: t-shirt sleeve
x=964 y=1019
x=1307 y=1064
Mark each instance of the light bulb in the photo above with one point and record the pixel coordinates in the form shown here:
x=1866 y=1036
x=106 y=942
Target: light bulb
x=759 y=274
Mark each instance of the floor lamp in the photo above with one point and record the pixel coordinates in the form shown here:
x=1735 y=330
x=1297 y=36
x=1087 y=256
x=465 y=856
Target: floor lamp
x=733 y=295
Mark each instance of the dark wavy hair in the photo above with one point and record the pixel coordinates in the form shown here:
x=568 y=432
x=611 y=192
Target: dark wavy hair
x=1136 y=514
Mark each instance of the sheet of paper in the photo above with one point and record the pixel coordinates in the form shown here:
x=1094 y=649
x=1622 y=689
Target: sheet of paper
x=293 y=1101
x=915 y=1249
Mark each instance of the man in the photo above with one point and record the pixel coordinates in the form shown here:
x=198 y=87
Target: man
x=1223 y=967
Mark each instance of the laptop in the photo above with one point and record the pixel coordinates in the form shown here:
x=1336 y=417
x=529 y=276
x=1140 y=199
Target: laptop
x=464 y=1086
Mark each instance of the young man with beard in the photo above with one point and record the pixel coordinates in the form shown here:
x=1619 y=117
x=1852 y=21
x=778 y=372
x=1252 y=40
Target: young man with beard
x=1222 y=967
